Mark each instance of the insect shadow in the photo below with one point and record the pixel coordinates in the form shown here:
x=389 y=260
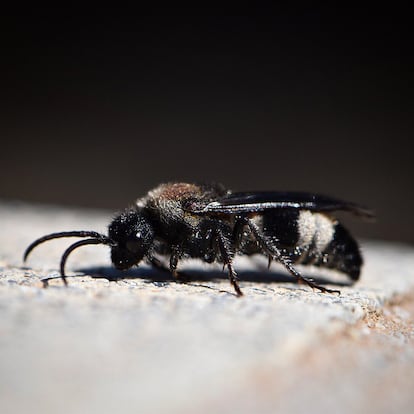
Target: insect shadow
x=198 y=275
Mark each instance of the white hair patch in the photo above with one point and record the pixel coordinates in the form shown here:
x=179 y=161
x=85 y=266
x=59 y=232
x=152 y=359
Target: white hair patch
x=315 y=229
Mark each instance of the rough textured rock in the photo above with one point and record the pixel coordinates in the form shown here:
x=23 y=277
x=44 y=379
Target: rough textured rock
x=140 y=342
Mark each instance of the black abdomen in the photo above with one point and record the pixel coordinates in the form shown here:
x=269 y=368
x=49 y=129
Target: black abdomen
x=342 y=253
x=330 y=246
x=310 y=238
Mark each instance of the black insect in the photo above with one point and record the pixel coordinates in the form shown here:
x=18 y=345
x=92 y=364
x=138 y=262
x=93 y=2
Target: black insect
x=209 y=222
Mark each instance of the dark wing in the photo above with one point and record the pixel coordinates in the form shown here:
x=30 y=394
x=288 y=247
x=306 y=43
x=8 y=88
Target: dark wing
x=252 y=202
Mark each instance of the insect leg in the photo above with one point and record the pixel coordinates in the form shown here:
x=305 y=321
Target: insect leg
x=239 y=233
x=270 y=248
x=176 y=253
x=157 y=264
x=226 y=251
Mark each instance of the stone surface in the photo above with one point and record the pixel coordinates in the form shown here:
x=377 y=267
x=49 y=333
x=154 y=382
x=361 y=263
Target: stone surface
x=140 y=342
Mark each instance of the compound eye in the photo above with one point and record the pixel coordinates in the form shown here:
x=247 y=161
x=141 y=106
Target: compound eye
x=134 y=246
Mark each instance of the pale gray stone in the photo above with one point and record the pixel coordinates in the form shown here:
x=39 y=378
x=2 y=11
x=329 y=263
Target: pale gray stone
x=140 y=342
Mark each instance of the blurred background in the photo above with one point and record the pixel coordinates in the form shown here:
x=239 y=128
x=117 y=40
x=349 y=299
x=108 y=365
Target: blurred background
x=96 y=110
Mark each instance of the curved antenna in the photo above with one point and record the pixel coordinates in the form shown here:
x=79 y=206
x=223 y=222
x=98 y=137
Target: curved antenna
x=83 y=233
x=74 y=246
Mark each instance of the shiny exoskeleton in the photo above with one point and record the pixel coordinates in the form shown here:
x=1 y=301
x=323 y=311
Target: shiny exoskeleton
x=209 y=222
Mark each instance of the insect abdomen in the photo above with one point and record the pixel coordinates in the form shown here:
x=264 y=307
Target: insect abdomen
x=343 y=253
x=313 y=238
x=330 y=244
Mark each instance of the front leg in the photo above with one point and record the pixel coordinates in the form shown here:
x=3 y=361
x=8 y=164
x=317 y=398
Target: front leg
x=176 y=254
x=155 y=262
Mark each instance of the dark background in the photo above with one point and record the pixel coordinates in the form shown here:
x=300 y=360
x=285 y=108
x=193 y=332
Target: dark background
x=96 y=110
